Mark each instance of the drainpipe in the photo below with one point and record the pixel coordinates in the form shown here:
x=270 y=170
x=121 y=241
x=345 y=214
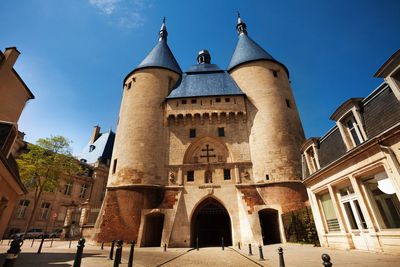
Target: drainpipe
x=303 y=175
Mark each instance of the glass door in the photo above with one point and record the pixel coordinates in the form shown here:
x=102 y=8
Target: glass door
x=354 y=217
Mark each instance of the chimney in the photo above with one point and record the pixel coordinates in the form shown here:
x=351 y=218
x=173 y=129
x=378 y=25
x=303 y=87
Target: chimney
x=11 y=54
x=95 y=135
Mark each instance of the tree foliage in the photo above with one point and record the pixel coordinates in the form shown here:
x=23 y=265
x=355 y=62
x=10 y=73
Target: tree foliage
x=45 y=166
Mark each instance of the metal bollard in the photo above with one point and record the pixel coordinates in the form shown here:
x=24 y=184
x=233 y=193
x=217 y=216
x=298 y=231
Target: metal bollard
x=250 y=253
x=51 y=244
x=239 y=245
x=120 y=254
x=222 y=243
x=70 y=241
x=2 y=241
x=102 y=245
x=197 y=243
x=326 y=260
x=9 y=240
x=112 y=250
x=281 y=260
x=117 y=258
x=130 y=262
x=40 y=246
x=13 y=252
x=79 y=252
x=33 y=240
x=261 y=253
x=165 y=247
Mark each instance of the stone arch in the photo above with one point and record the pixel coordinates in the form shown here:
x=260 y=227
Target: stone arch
x=220 y=150
x=210 y=221
x=269 y=224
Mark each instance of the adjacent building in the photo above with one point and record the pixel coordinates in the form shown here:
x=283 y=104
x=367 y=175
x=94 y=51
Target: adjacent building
x=14 y=94
x=86 y=190
x=352 y=173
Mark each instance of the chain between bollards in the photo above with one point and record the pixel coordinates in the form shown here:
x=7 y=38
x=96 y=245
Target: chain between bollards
x=130 y=262
x=197 y=243
x=79 y=252
x=112 y=250
x=250 y=253
x=222 y=243
x=281 y=260
x=40 y=246
x=117 y=259
x=326 y=260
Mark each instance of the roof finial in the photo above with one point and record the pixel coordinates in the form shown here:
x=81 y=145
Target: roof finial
x=163 y=32
x=241 y=26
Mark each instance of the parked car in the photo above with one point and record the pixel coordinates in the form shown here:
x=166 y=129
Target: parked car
x=32 y=233
x=56 y=233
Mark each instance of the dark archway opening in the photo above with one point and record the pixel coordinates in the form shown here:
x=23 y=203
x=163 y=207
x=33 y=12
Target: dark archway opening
x=269 y=226
x=153 y=227
x=210 y=222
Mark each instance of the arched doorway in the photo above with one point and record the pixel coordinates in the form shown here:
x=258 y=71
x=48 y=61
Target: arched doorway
x=152 y=232
x=269 y=226
x=210 y=222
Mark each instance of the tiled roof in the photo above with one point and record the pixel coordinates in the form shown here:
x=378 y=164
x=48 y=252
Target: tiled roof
x=102 y=151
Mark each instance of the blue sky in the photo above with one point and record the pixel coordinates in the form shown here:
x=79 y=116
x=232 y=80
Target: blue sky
x=76 y=53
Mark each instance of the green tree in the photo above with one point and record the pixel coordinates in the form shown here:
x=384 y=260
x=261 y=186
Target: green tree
x=45 y=166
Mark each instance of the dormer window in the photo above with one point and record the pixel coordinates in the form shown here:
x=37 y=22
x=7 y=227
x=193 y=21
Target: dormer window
x=310 y=148
x=349 y=119
x=354 y=130
x=91 y=148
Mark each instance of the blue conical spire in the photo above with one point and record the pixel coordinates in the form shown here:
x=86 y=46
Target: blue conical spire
x=246 y=49
x=161 y=56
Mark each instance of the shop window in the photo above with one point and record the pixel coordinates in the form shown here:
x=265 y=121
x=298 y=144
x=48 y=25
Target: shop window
x=385 y=203
x=190 y=176
x=227 y=174
x=329 y=212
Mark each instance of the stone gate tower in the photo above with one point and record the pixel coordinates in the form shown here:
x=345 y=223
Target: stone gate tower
x=208 y=153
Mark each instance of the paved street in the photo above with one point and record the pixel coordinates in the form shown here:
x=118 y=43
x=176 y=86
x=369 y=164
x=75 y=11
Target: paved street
x=61 y=255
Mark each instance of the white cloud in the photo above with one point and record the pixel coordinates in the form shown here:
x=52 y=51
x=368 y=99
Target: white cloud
x=124 y=13
x=106 y=6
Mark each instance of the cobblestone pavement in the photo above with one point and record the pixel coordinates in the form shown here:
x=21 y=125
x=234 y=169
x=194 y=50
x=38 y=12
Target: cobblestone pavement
x=60 y=255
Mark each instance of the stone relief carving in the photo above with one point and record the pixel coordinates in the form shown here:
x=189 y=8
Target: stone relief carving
x=172 y=177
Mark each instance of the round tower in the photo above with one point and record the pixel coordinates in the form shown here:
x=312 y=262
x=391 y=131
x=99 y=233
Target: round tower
x=137 y=165
x=276 y=133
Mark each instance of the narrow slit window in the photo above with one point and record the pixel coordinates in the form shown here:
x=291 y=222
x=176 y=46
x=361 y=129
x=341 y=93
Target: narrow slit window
x=115 y=166
x=275 y=73
x=190 y=176
x=267 y=177
x=288 y=103
x=227 y=174
x=192 y=133
x=221 y=132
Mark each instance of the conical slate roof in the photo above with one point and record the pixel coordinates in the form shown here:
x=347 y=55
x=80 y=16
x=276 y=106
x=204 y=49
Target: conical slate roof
x=247 y=50
x=161 y=56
